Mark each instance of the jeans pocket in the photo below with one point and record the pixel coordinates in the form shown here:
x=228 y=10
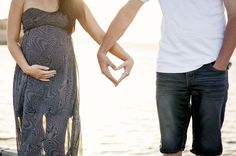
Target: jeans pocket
x=219 y=71
x=216 y=70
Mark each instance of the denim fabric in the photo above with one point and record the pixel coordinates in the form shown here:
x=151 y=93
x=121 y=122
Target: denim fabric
x=200 y=94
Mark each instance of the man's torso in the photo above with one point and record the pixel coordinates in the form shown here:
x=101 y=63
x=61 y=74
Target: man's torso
x=192 y=33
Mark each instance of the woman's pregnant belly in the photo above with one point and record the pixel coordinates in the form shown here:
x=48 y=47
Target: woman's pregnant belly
x=48 y=46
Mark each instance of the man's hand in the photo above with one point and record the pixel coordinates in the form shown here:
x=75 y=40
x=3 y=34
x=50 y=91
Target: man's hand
x=127 y=66
x=220 y=67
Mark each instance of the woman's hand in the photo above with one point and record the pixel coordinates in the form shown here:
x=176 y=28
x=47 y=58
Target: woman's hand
x=104 y=63
x=40 y=72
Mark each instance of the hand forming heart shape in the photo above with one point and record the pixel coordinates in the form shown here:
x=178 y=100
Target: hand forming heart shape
x=105 y=63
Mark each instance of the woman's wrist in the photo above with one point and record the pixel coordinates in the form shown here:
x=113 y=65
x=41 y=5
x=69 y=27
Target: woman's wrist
x=119 y=52
x=26 y=69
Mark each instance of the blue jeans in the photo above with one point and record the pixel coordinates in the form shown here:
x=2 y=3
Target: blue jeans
x=200 y=94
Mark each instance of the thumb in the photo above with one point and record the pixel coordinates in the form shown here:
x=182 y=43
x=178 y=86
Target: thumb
x=43 y=67
x=111 y=64
x=121 y=66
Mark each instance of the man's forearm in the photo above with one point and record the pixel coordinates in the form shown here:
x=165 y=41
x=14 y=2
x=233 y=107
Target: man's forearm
x=116 y=29
x=120 y=24
x=228 y=46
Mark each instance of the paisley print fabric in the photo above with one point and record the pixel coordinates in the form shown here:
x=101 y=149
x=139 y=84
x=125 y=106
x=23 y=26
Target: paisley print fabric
x=47 y=113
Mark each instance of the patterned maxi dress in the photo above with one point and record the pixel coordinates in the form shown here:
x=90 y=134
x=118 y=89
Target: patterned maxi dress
x=47 y=113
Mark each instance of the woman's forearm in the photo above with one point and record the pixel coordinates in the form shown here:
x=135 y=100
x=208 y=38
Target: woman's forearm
x=98 y=36
x=13 y=33
x=17 y=54
x=91 y=26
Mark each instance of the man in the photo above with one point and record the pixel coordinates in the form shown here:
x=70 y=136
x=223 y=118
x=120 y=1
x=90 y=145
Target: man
x=192 y=77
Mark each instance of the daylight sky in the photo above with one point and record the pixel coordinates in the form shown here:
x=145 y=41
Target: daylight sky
x=145 y=28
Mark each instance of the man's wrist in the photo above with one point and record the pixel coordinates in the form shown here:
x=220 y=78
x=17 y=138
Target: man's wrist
x=221 y=65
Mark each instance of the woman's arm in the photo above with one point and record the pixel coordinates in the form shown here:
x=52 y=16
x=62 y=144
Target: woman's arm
x=88 y=22
x=13 y=33
x=90 y=25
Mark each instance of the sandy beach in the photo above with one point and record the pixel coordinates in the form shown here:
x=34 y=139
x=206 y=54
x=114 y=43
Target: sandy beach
x=116 y=121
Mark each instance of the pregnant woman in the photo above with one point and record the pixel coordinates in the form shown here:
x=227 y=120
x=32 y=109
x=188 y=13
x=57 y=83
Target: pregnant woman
x=45 y=94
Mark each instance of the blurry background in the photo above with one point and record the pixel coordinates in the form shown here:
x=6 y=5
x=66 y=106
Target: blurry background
x=119 y=121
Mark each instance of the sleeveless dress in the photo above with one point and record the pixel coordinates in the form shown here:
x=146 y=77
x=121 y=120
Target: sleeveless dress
x=47 y=113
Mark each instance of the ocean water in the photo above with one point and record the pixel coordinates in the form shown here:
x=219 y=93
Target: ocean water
x=116 y=121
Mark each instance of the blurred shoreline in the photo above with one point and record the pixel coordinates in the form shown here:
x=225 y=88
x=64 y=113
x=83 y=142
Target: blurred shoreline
x=3 y=31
